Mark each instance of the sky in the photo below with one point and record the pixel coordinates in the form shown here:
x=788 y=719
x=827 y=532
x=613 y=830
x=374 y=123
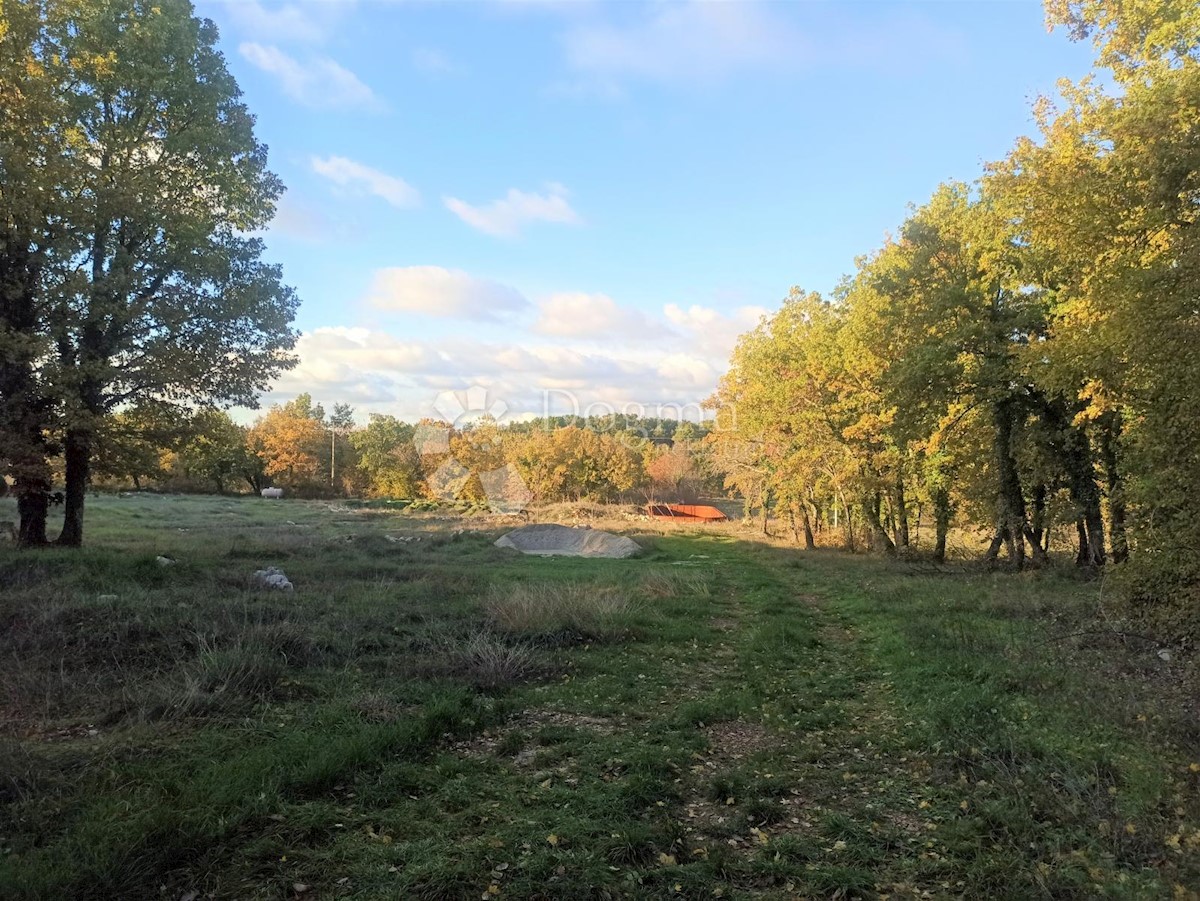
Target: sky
x=578 y=207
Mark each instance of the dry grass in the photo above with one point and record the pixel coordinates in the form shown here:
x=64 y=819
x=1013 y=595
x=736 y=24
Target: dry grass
x=548 y=609
x=489 y=663
x=673 y=583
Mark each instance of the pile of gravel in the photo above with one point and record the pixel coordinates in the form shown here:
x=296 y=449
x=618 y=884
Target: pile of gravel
x=550 y=540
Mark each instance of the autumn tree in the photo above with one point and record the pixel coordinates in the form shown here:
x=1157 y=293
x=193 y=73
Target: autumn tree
x=291 y=440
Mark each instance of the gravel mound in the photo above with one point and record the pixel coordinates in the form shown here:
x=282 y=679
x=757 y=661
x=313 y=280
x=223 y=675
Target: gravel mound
x=550 y=540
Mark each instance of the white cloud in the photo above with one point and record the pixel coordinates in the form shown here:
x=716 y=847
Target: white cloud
x=279 y=23
x=682 y=42
x=712 y=331
x=318 y=82
x=443 y=293
x=349 y=174
x=704 y=41
x=575 y=354
x=595 y=316
x=505 y=217
x=377 y=372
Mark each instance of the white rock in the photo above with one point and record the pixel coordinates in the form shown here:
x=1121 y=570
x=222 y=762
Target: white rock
x=274 y=578
x=164 y=561
x=1164 y=655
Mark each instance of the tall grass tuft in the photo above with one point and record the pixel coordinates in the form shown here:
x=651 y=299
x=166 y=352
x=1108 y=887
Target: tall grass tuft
x=489 y=663
x=562 y=609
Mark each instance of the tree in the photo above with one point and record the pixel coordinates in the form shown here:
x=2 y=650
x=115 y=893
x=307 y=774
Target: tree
x=291 y=443
x=1106 y=200
x=216 y=451
x=132 y=442
x=388 y=457
x=155 y=291
x=32 y=174
x=672 y=472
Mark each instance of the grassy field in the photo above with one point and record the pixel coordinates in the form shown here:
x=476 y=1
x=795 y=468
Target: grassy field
x=427 y=716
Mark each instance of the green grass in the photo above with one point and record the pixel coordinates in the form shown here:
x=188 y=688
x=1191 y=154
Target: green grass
x=442 y=719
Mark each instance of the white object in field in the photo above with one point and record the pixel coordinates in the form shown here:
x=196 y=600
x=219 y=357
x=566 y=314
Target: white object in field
x=550 y=540
x=272 y=492
x=164 y=561
x=273 y=577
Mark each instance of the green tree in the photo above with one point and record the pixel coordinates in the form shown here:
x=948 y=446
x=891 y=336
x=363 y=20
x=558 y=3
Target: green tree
x=156 y=292
x=388 y=457
x=216 y=451
x=1105 y=199
x=33 y=148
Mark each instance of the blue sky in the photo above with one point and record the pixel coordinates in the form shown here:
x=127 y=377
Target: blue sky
x=590 y=201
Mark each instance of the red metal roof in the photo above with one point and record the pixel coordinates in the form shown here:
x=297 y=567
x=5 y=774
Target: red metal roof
x=686 y=512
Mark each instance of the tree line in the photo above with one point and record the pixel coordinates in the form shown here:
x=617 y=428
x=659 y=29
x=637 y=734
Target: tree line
x=1025 y=350
x=310 y=452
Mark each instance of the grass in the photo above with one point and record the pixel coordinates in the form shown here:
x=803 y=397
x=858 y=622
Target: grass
x=562 y=610
x=441 y=719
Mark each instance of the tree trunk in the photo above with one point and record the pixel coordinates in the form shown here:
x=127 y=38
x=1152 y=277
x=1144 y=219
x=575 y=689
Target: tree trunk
x=809 y=543
x=1039 y=552
x=1109 y=438
x=1083 y=554
x=1038 y=525
x=1010 y=526
x=878 y=536
x=901 y=509
x=941 y=520
x=993 y=551
x=1075 y=451
x=24 y=411
x=33 y=504
x=78 y=454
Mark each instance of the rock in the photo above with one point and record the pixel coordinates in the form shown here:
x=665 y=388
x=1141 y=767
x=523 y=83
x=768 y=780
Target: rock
x=274 y=578
x=164 y=561
x=1164 y=655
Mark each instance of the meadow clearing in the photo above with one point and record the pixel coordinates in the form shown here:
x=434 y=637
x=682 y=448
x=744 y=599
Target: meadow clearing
x=723 y=716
